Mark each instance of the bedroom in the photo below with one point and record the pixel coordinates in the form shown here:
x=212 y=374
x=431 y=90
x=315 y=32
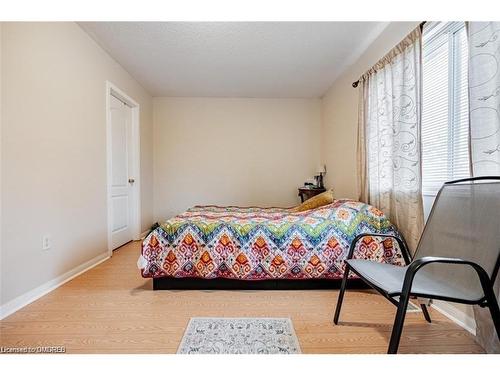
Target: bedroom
x=131 y=149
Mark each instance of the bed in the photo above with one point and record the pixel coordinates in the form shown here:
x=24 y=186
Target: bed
x=212 y=247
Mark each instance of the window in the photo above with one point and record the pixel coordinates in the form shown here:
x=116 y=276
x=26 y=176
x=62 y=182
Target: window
x=445 y=118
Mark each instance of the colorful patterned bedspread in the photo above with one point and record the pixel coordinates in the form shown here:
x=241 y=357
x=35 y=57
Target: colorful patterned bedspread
x=266 y=243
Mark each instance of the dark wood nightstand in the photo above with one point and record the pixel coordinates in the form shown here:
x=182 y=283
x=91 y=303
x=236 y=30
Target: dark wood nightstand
x=305 y=193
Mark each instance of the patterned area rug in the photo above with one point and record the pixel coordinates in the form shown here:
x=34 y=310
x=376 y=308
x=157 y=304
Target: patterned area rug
x=239 y=336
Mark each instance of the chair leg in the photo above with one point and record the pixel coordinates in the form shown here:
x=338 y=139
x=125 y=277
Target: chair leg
x=495 y=315
x=493 y=307
x=341 y=294
x=425 y=311
x=397 y=329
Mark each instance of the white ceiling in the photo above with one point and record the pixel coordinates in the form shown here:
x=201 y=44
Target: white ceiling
x=235 y=59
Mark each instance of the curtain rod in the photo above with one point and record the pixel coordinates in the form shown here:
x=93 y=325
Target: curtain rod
x=355 y=84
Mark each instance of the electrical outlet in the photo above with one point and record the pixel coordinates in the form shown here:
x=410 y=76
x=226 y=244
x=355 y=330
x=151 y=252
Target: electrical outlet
x=46 y=242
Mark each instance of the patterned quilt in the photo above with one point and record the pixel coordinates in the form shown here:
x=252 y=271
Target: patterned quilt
x=266 y=243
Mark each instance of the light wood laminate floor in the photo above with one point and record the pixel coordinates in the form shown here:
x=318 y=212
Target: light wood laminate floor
x=112 y=309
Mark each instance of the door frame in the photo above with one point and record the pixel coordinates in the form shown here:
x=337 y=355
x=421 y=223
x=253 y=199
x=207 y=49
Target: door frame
x=135 y=202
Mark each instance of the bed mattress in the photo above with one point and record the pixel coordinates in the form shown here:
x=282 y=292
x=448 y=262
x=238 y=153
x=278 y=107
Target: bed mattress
x=253 y=243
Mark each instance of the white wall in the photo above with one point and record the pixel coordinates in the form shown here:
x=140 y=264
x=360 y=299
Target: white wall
x=232 y=151
x=340 y=113
x=54 y=151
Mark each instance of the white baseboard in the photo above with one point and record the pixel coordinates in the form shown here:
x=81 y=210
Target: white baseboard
x=457 y=316
x=34 y=294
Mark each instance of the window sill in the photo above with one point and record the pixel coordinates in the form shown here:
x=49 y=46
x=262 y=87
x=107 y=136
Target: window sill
x=430 y=193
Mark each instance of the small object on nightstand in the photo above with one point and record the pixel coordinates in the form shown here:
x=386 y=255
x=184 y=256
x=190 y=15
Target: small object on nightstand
x=319 y=177
x=306 y=192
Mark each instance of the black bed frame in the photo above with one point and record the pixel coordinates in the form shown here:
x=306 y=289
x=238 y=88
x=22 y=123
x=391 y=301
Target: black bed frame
x=191 y=283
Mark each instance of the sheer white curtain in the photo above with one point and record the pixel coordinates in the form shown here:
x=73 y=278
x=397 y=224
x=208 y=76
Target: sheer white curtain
x=389 y=157
x=484 y=104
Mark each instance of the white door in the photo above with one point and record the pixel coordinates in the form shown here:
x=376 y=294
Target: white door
x=121 y=188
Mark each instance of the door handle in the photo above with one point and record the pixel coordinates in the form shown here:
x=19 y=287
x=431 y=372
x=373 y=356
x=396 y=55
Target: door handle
x=131 y=180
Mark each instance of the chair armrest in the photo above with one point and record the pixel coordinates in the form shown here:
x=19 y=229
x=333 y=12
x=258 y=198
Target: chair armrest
x=401 y=243
x=429 y=259
x=417 y=264
x=421 y=262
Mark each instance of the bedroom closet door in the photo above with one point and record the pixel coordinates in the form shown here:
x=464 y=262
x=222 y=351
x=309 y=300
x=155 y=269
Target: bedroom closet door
x=122 y=182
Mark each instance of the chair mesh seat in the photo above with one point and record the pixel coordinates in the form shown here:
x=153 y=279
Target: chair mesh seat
x=390 y=278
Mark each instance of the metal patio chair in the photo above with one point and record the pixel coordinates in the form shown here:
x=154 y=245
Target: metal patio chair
x=456 y=260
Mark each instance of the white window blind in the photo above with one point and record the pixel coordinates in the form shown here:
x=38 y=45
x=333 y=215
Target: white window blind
x=445 y=121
